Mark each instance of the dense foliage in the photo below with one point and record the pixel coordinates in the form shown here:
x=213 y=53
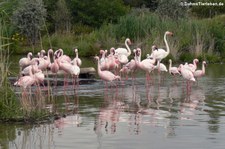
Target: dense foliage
x=93 y=24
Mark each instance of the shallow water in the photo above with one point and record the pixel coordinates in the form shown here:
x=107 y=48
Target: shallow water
x=132 y=116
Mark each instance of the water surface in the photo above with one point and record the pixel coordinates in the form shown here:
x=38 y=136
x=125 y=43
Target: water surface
x=132 y=116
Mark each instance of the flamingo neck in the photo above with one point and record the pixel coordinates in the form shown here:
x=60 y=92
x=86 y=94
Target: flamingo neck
x=167 y=46
x=170 y=65
x=203 y=68
x=128 y=48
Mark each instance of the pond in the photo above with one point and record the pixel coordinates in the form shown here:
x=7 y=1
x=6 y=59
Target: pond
x=132 y=115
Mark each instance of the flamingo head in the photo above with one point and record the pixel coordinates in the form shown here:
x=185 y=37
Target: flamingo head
x=43 y=51
x=96 y=57
x=50 y=51
x=128 y=41
x=169 y=33
x=154 y=47
x=196 y=60
x=101 y=52
x=204 y=62
x=112 y=51
x=75 y=50
x=180 y=66
x=106 y=51
x=134 y=50
x=138 y=51
x=170 y=61
x=30 y=55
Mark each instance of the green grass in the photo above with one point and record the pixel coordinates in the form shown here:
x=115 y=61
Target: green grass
x=198 y=37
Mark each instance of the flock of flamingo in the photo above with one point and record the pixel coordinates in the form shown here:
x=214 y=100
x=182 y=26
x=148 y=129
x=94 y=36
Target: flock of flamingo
x=109 y=66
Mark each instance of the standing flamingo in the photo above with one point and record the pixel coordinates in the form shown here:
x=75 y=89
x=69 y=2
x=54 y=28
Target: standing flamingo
x=61 y=56
x=200 y=73
x=173 y=70
x=144 y=65
x=26 y=81
x=106 y=75
x=77 y=60
x=186 y=74
x=25 y=61
x=192 y=67
x=159 y=54
x=124 y=51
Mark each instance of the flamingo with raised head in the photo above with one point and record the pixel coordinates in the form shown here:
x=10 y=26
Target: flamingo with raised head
x=173 y=70
x=191 y=67
x=25 y=61
x=61 y=56
x=106 y=75
x=124 y=51
x=160 y=54
x=45 y=61
x=76 y=60
x=144 y=64
x=187 y=75
x=200 y=73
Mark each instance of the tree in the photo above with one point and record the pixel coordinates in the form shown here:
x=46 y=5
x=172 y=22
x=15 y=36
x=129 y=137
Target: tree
x=62 y=17
x=171 y=9
x=151 y=4
x=205 y=11
x=95 y=12
x=29 y=18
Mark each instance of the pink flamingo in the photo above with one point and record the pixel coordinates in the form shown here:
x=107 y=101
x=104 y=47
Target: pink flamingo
x=186 y=74
x=161 y=67
x=192 y=67
x=200 y=73
x=25 y=61
x=123 y=53
x=113 y=61
x=69 y=68
x=105 y=75
x=45 y=61
x=26 y=81
x=160 y=54
x=76 y=60
x=173 y=70
x=61 y=56
x=104 y=63
x=144 y=65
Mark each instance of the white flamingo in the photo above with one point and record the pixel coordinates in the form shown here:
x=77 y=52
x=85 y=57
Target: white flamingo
x=160 y=54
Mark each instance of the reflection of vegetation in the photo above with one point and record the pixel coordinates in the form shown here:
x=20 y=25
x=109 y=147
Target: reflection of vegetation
x=8 y=133
x=214 y=113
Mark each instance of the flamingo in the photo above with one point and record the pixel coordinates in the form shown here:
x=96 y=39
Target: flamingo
x=26 y=81
x=25 y=61
x=144 y=65
x=33 y=66
x=113 y=61
x=124 y=51
x=187 y=75
x=106 y=75
x=45 y=61
x=200 y=73
x=77 y=60
x=161 y=67
x=159 y=54
x=104 y=60
x=173 y=70
x=192 y=67
x=61 y=56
